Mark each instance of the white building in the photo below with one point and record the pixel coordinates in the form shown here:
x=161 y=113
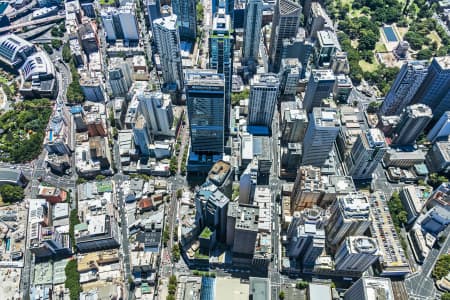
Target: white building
x=128 y=22
x=157 y=110
x=165 y=31
x=356 y=254
x=366 y=154
x=263 y=99
x=320 y=136
x=370 y=288
x=350 y=215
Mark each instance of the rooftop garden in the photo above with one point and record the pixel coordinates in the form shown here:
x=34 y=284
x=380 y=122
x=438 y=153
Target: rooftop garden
x=206 y=233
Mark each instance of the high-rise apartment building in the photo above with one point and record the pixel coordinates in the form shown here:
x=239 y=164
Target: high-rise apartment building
x=441 y=129
x=205 y=92
x=320 y=86
x=263 y=99
x=165 y=31
x=157 y=110
x=366 y=154
x=128 y=22
x=356 y=254
x=286 y=20
x=320 y=136
x=221 y=56
x=252 y=30
x=187 y=18
x=406 y=84
x=350 y=215
x=435 y=88
x=412 y=122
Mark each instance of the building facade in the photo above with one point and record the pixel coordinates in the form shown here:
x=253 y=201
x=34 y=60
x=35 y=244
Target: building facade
x=263 y=99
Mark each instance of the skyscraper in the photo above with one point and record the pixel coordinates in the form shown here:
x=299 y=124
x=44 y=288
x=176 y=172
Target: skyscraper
x=369 y=288
x=118 y=81
x=350 y=215
x=286 y=20
x=165 y=31
x=307 y=235
x=290 y=73
x=293 y=126
x=128 y=22
x=142 y=135
x=356 y=254
x=412 y=122
x=320 y=136
x=328 y=46
x=435 y=88
x=212 y=206
x=187 y=18
x=242 y=228
x=320 y=86
x=366 y=154
x=153 y=10
x=252 y=32
x=263 y=99
x=205 y=90
x=220 y=51
x=299 y=47
x=406 y=84
x=441 y=129
x=157 y=110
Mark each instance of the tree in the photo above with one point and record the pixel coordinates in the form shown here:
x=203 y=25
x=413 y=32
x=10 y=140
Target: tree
x=56 y=43
x=281 y=295
x=66 y=54
x=100 y=177
x=11 y=193
x=445 y=296
x=179 y=193
x=301 y=285
x=48 y=49
x=199 y=9
x=176 y=252
x=367 y=41
x=373 y=107
x=442 y=267
x=73 y=279
x=436 y=180
x=424 y=54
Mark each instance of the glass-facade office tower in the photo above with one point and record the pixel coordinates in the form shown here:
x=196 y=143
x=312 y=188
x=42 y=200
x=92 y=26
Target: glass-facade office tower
x=220 y=51
x=205 y=96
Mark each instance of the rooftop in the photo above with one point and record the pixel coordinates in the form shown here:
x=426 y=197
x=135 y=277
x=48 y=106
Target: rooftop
x=219 y=172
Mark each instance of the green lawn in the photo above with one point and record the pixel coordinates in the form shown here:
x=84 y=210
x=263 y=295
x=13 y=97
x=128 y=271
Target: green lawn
x=107 y=2
x=367 y=67
x=435 y=38
x=380 y=47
